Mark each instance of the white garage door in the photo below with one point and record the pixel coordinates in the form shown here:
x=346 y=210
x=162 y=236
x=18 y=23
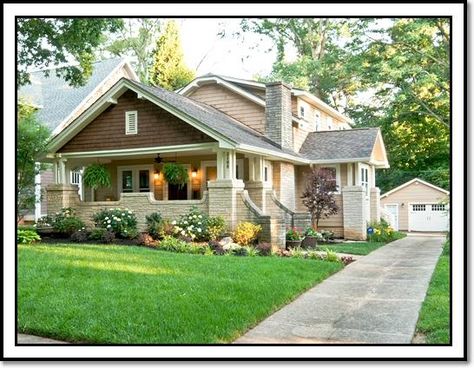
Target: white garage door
x=428 y=217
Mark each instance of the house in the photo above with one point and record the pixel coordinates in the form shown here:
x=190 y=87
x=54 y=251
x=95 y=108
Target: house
x=417 y=206
x=58 y=103
x=247 y=147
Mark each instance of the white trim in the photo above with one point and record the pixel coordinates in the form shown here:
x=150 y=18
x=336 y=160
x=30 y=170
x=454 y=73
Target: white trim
x=37 y=191
x=412 y=181
x=384 y=164
x=361 y=166
x=245 y=148
x=202 y=80
x=135 y=169
x=119 y=88
x=142 y=150
x=125 y=64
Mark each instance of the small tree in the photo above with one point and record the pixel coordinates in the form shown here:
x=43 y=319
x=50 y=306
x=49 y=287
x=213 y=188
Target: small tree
x=32 y=139
x=318 y=195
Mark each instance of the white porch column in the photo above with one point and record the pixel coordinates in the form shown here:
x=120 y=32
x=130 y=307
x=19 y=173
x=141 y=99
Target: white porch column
x=55 y=172
x=37 y=192
x=226 y=163
x=350 y=182
x=372 y=176
x=62 y=171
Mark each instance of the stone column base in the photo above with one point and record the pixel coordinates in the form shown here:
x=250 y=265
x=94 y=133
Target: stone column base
x=59 y=196
x=354 y=207
x=223 y=199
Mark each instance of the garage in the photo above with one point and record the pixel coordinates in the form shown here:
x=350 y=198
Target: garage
x=417 y=206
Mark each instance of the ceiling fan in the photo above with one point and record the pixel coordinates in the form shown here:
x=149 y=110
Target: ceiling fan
x=159 y=160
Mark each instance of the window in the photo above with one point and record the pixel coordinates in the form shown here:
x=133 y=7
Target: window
x=334 y=172
x=419 y=207
x=127 y=181
x=301 y=111
x=265 y=173
x=364 y=179
x=144 y=181
x=331 y=171
x=76 y=177
x=317 y=115
x=131 y=122
x=438 y=207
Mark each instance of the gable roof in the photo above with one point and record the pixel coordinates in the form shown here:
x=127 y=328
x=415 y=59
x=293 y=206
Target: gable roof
x=411 y=182
x=56 y=99
x=244 y=86
x=341 y=145
x=225 y=129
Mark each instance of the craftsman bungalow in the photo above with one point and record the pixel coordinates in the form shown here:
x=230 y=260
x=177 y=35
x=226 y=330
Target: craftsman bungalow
x=247 y=147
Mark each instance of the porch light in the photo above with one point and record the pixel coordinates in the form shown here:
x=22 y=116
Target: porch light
x=156 y=175
x=194 y=173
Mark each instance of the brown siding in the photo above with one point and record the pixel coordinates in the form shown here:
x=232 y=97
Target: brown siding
x=156 y=127
x=232 y=104
x=414 y=193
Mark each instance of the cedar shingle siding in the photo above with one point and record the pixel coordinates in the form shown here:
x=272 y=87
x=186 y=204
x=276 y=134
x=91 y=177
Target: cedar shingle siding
x=156 y=127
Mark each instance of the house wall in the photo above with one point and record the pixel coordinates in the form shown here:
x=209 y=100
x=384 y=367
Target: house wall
x=47 y=178
x=156 y=127
x=231 y=103
x=310 y=115
x=414 y=193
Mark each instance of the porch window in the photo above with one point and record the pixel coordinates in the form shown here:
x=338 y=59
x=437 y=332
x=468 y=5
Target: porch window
x=144 y=180
x=127 y=181
x=364 y=179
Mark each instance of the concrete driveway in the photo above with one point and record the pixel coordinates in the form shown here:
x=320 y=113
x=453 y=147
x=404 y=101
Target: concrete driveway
x=374 y=300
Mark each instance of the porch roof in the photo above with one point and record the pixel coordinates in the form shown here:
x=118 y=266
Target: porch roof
x=344 y=145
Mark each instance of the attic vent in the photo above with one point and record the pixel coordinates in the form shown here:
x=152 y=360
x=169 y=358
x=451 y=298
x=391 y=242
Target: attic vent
x=131 y=122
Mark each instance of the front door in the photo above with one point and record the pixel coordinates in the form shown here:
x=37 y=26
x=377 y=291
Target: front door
x=393 y=210
x=176 y=191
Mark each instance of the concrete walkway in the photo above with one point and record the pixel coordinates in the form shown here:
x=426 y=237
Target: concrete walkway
x=374 y=300
x=32 y=339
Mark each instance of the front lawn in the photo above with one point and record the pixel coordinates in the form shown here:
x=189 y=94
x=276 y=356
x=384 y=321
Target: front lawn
x=126 y=294
x=433 y=322
x=362 y=248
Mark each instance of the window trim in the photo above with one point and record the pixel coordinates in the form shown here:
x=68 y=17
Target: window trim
x=127 y=127
x=360 y=179
x=135 y=169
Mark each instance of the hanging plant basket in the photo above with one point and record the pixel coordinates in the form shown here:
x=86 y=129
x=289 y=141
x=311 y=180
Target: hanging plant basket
x=97 y=176
x=175 y=174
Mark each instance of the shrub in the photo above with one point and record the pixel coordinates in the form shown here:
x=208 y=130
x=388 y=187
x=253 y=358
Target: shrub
x=246 y=233
x=122 y=222
x=145 y=239
x=314 y=255
x=331 y=256
x=176 y=245
x=309 y=231
x=27 y=236
x=80 y=236
x=155 y=224
x=215 y=227
x=240 y=251
x=297 y=253
x=383 y=232
x=192 y=225
x=327 y=235
x=216 y=247
x=102 y=235
x=252 y=252
x=293 y=234
x=168 y=229
x=64 y=222
x=347 y=260
x=264 y=249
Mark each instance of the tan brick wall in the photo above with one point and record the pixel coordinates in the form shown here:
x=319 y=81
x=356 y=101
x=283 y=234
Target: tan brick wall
x=355 y=222
x=375 y=204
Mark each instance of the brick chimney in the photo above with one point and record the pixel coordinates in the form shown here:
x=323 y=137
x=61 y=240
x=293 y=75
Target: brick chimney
x=278 y=125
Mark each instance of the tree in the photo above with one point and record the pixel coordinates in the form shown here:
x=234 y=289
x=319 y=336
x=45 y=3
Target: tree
x=169 y=70
x=43 y=42
x=32 y=140
x=137 y=39
x=318 y=196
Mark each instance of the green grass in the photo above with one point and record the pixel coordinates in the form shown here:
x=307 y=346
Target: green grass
x=362 y=248
x=125 y=294
x=433 y=321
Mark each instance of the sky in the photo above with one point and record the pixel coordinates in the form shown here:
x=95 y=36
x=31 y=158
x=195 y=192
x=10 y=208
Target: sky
x=228 y=55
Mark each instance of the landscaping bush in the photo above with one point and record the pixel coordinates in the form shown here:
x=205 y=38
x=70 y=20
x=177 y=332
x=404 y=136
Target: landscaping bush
x=215 y=227
x=264 y=249
x=155 y=225
x=240 y=251
x=80 y=236
x=145 y=239
x=327 y=235
x=293 y=234
x=64 y=222
x=192 y=225
x=24 y=236
x=331 y=256
x=102 y=235
x=347 y=260
x=176 y=245
x=122 y=222
x=383 y=232
x=246 y=233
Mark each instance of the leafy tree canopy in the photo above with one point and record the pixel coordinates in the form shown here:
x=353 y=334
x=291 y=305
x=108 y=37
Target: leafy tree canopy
x=169 y=70
x=46 y=42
